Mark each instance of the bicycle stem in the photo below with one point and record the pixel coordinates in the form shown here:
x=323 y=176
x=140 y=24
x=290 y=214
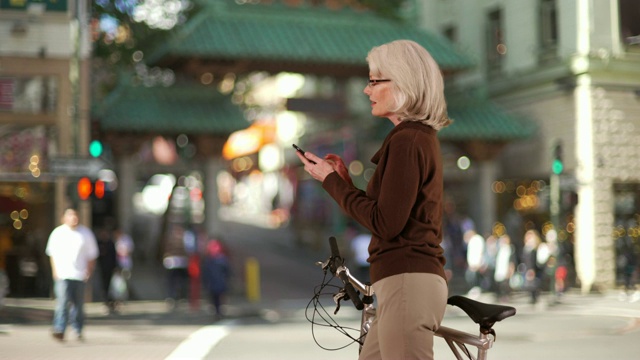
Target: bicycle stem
x=365 y=289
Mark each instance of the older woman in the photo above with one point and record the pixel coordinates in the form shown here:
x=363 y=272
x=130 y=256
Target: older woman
x=403 y=203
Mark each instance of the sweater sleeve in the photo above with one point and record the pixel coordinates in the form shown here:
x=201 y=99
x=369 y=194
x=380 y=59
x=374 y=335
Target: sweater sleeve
x=398 y=174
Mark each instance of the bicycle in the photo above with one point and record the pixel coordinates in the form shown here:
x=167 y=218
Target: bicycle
x=483 y=314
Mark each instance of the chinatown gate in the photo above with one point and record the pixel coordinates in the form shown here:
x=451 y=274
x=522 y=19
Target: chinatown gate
x=209 y=134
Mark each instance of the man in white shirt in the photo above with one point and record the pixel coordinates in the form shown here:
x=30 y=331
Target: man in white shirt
x=72 y=249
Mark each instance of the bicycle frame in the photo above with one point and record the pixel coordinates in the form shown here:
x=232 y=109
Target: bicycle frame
x=454 y=338
x=485 y=315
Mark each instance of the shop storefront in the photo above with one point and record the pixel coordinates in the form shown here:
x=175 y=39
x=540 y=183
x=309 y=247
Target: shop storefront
x=27 y=188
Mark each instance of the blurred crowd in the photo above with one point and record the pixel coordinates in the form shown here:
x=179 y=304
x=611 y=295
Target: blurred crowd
x=525 y=259
x=195 y=262
x=196 y=266
x=496 y=263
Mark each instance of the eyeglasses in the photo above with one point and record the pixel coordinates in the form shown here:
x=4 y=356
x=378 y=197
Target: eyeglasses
x=374 y=82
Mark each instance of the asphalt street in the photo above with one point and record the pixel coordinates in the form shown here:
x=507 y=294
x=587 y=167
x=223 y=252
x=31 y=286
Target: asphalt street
x=582 y=327
x=593 y=326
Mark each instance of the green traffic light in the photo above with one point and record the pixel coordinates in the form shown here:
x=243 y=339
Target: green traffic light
x=557 y=166
x=95 y=148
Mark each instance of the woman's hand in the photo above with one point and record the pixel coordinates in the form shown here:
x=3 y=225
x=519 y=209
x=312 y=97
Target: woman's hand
x=319 y=170
x=339 y=166
x=324 y=167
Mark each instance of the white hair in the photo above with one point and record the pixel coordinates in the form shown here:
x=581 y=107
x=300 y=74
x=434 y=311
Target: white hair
x=418 y=87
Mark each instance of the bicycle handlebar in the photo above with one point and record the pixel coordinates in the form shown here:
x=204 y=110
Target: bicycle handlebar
x=336 y=266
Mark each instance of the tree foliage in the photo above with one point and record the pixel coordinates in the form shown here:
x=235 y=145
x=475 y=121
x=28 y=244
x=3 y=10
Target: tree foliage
x=119 y=27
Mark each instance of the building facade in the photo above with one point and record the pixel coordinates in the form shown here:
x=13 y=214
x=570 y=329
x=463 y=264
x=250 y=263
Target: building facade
x=572 y=68
x=44 y=107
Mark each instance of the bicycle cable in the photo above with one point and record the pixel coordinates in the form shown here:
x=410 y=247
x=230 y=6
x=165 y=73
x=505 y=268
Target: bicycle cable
x=322 y=313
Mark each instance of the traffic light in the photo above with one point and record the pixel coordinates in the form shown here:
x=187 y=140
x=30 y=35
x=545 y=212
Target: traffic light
x=99 y=189
x=557 y=166
x=85 y=188
x=95 y=148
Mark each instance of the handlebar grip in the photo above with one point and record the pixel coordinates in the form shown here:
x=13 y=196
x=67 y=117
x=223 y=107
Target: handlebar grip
x=351 y=291
x=333 y=243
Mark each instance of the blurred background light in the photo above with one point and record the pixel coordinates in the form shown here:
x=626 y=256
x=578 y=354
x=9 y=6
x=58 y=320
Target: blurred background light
x=463 y=163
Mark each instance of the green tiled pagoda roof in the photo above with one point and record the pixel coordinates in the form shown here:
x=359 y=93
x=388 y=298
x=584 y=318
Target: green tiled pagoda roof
x=277 y=33
x=481 y=119
x=191 y=109
x=475 y=118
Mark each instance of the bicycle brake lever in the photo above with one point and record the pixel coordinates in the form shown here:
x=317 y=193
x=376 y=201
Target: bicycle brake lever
x=324 y=265
x=341 y=295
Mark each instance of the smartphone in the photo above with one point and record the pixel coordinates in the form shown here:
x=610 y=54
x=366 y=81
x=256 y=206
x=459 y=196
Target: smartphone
x=299 y=149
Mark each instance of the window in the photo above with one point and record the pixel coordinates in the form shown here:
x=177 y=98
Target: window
x=35 y=95
x=451 y=33
x=19 y=145
x=626 y=231
x=496 y=47
x=548 y=30
x=630 y=23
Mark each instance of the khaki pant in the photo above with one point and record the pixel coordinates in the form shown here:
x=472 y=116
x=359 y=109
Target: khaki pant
x=410 y=308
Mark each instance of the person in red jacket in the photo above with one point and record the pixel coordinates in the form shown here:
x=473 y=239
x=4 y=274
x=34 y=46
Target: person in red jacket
x=402 y=206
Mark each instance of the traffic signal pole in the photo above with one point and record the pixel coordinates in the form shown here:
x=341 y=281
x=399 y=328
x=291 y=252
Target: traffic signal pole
x=554 y=203
x=557 y=166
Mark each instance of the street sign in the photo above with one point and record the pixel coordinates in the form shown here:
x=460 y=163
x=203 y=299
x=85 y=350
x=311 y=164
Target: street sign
x=76 y=166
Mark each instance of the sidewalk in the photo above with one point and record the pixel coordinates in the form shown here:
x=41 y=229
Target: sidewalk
x=31 y=310
x=609 y=303
x=148 y=301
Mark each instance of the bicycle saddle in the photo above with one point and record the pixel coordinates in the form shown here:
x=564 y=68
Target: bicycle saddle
x=483 y=314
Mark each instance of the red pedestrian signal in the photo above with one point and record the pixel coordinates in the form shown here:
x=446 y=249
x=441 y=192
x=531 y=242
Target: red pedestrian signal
x=99 y=189
x=85 y=188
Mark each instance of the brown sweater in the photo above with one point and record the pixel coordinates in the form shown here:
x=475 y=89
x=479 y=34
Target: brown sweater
x=402 y=206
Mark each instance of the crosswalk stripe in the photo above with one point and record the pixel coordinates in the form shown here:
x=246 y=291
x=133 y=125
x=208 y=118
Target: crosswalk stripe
x=198 y=344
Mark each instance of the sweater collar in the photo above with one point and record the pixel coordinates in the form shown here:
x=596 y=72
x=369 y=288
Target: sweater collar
x=407 y=124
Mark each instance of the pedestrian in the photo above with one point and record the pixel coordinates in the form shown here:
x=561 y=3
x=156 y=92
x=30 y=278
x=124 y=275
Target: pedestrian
x=487 y=281
x=402 y=206
x=120 y=289
x=107 y=263
x=475 y=261
x=215 y=275
x=533 y=272
x=73 y=251
x=505 y=267
x=124 y=251
x=176 y=261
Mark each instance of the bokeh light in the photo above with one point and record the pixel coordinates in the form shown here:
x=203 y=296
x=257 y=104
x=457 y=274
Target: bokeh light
x=160 y=14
